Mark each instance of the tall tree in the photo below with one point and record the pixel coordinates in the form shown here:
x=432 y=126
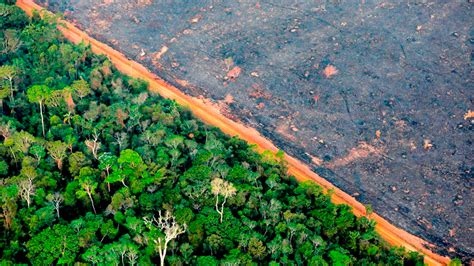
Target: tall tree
x=4 y=93
x=169 y=227
x=57 y=150
x=223 y=188
x=93 y=144
x=88 y=184
x=81 y=88
x=129 y=164
x=57 y=244
x=8 y=199
x=8 y=73
x=39 y=94
x=26 y=184
x=107 y=160
x=38 y=152
x=27 y=190
x=20 y=141
x=55 y=199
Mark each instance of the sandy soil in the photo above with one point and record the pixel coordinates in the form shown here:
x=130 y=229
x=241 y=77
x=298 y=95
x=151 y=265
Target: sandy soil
x=374 y=95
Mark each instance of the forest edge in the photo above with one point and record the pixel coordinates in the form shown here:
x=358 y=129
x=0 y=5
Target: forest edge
x=210 y=115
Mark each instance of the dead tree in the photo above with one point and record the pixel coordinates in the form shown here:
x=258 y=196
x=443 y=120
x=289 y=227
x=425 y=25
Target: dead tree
x=27 y=189
x=225 y=189
x=56 y=199
x=168 y=226
x=93 y=145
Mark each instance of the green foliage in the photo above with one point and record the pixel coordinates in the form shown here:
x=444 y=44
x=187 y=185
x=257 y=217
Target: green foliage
x=207 y=261
x=53 y=245
x=3 y=168
x=38 y=151
x=77 y=161
x=80 y=88
x=38 y=93
x=339 y=258
x=455 y=262
x=115 y=154
x=11 y=16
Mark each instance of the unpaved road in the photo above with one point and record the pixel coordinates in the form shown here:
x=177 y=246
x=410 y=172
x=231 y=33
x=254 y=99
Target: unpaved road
x=372 y=94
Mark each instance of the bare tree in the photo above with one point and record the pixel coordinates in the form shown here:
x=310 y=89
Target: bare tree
x=89 y=187
x=167 y=224
x=223 y=188
x=27 y=189
x=121 y=139
x=56 y=199
x=93 y=145
x=6 y=130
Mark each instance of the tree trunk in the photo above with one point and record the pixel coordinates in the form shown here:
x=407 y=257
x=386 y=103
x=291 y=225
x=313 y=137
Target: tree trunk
x=42 y=118
x=11 y=89
x=222 y=208
x=59 y=163
x=108 y=183
x=12 y=97
x=217 y=207
x=92 y=201
x=8 y=218
x=70 y=103
x=162 y=256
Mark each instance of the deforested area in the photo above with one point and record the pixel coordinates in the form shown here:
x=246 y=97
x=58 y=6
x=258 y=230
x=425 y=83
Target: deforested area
x=95 y=169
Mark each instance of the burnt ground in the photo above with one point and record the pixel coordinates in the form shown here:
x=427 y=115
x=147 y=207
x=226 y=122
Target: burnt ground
x=372 y=94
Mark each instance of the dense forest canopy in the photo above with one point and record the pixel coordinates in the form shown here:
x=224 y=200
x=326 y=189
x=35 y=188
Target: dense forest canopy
x=95 y=169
